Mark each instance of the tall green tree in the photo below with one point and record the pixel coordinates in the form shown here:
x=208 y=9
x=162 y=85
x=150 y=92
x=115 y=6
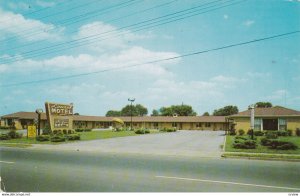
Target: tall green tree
x=113 y=113
x=205 y=114
x=155 y=113
x=137 y=110
x=180 y=110
x=226 y=111
x=263 y=104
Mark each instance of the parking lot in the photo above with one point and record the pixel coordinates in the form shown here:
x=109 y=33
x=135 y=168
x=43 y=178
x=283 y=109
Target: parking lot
x=189 y=143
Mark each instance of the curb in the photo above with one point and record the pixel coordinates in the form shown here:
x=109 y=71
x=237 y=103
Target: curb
x=246 y=156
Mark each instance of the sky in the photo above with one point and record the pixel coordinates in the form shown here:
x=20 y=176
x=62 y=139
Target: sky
x=96 y=54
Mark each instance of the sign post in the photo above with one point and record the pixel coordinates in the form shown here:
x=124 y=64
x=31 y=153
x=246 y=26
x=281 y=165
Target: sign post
x=60 y=116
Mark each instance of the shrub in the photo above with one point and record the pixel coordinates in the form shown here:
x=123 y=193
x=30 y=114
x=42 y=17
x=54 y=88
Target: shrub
x=46 y=129
x=289 y=132
x=4 y=136
x=87 y=130
x=57 y=138
x=258 y=133
x=271 y=135
x=43 y=138
x=282 y=133
x=282 y=145
x=241 y=132
x=250 y=131
x=142 y=131
x=65 y=131
x=79 y=130
x=71 y=131
x=232 y=132
x=14 y=135
x=58 y=132
x=171 y=130
x=163 y=130
x=265 y=141
x=4 y=127
x=278 y=144
x=244 y=144
x=298 y=131
x=73 y=136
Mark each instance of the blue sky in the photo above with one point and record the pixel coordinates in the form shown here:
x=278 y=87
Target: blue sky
x=37 y=39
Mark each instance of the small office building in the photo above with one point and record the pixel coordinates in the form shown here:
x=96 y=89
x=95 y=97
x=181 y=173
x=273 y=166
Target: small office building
x=273 y=118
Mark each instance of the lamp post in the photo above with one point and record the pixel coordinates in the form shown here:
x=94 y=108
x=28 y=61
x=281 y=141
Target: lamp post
x=251 y=108
x=39 y=112
x=131 y=100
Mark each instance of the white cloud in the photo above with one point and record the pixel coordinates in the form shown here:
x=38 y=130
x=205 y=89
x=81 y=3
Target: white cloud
x=3 y=68
x=17 y=25
x=108 y=37
x=278 y=94
x=248 y=23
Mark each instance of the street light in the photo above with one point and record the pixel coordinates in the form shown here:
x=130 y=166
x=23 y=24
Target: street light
x=39 y=112
x=131 y=100
x=251 y=108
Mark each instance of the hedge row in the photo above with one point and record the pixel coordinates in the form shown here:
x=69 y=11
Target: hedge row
x=262 y=133
x=244 y=143
x=10 y=135
x=168 y=130
x=142 y=131
x=58 y=137
x=278 y=144
x=83 y=130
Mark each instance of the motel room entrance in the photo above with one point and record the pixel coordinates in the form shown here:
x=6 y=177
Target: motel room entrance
x=270 y=124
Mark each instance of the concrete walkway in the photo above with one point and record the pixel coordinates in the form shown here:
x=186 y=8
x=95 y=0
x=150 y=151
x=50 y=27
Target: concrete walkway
x=184 y=143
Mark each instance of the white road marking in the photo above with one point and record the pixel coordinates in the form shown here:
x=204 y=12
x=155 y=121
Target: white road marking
x=224 y=182
x=8 y=162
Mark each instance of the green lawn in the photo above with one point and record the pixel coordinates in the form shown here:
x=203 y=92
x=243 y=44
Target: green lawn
x=264 y=149
x=85 y=136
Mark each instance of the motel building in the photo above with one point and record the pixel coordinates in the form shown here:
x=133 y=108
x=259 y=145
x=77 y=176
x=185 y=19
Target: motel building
x=267 y=119
x=22 y=119
x=274 y=118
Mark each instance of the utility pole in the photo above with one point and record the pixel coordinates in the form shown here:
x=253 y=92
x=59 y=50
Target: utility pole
x=251 y=108
x=131 y=100
x=39 y=112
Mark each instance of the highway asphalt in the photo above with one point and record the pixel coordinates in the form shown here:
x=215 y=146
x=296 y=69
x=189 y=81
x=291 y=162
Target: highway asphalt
x=43 y=170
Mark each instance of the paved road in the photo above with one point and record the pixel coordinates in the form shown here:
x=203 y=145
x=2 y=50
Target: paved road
x=189 y=143
x=32 y=170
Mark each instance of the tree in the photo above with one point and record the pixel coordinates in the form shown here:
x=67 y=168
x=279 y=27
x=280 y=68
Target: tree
x=226 y=111
x=263 y=104
x=137 y=110
x=113 y=113
x=76 y=114
x=155 y=113
x=180 y=110
x=205 y=114
x=141 y=110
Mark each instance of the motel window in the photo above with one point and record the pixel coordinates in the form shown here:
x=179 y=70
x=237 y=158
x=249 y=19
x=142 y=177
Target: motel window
x=198 y=125
x=174 y=124
x=257 y=124
x=207 y=124
x=155 y=124
x=282 y=124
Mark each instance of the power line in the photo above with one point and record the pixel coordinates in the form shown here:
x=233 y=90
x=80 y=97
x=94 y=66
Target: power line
x=112 y=20
x=45 y=50
x=69 y=21
x=151 y=62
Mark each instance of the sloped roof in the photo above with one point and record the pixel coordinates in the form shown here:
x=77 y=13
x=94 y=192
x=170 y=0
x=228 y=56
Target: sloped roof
x=269 y=112
x=25 y=115
x=33 y=115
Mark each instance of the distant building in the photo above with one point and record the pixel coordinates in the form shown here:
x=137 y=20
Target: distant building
x=21 y=120
x=273 y=118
